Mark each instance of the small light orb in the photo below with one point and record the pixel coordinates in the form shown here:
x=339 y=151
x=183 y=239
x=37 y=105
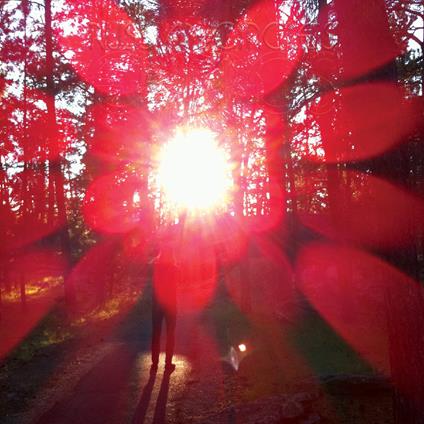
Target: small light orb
x=242 y=347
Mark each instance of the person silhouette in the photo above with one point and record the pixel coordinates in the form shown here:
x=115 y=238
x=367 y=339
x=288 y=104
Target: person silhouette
x=164 y=305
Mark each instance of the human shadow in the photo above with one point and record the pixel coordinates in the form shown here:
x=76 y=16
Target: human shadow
x=96 y=398
x=143 y=404
x=160 y=409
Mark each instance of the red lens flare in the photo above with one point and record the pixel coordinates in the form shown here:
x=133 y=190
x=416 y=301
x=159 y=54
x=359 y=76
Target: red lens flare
x=27 y=228
x=122 y=133
x=109 y=204
x=359 y=122
x=361 y=42
x=349 y=288
x=32 y=273
x=261 y=50
x=27 y=122
x=270 y=218
x=166 y=276
x=229 y=239
x=36 y=264
x=182 y=10
x=264 y=281
x=108 y=272
x=104 y=46
x=196 y=262
x=367 y=211
x=198 y=279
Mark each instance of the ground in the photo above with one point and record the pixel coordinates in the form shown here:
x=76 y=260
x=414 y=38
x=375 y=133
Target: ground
x=294 y=372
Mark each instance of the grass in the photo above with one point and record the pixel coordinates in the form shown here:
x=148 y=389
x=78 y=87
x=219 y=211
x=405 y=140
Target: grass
x=33 y=289
x=230 y=325
x=311 y=336
x=26 y=368
x=325 y=351
x=51 y=330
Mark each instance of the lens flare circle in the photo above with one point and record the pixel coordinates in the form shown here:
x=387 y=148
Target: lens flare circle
x=194 y=171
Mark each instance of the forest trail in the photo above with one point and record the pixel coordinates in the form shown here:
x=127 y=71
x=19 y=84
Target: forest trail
x=108 y=378
x=118 y=386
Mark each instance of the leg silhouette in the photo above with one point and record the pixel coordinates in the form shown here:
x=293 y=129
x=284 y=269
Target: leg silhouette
x=157 y=318
x=170 y=320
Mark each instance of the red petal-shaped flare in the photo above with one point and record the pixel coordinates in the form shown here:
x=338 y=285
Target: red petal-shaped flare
x=35 y=265
x=262 y=50
x=33 y=221
x=366 y=210
x=357 y=40
x=264 y=282
x=360 y=122
x=38 y=137
x=109 y=204
x=198 y=273
x=30 y=267
x=174 y=9
x=270 y=218
x=95 y=274
x=229 y=239
x=349 y=288
x=121 y=133
x=104 y=46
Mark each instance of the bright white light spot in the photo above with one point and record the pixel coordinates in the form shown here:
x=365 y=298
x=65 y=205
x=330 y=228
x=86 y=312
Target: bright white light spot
x=242 y=347
x=69 y=54
x=136 y=197
x=194 y=171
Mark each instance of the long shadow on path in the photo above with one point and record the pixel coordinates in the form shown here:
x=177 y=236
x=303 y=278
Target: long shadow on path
x=143 y=404
x=101 y=395
x=159 y=416
x=160 y=410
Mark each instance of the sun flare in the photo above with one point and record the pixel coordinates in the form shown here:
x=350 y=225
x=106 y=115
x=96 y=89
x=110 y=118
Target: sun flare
x=194 y=171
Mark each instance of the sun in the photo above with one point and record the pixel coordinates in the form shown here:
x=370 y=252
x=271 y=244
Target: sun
x=194 y=171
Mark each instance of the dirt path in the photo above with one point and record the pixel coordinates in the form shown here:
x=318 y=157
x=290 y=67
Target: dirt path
x=114 y=383
x=109 y=380
x=117 y=386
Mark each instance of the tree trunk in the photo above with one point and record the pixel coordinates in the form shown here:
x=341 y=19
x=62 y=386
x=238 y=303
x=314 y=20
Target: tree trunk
x=56 y=177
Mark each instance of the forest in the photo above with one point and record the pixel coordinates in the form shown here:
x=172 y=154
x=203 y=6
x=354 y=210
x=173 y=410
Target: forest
x=303 y=213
